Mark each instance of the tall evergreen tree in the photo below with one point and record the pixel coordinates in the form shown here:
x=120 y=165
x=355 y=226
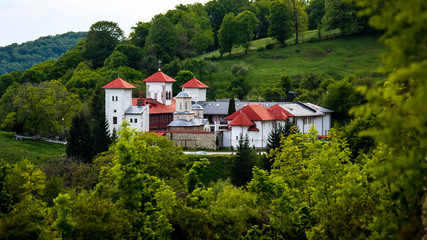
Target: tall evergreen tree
x=231 y=106
x=244 y=161
x=274 y=138
x=79 y=145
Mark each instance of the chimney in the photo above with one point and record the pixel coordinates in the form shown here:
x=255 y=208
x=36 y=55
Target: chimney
x=140 y=101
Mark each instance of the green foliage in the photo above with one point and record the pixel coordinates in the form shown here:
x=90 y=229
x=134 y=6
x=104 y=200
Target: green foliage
x=162 y=39
x=43 y=109
x=245 y=159
x=299 y=16
x=101 y=40
x=79 y=142
x=5 y=198
x=182 y=77
x=227 y=34
x=194 y=172
x=20 y=57
x=342 y=15
x=280 y=22
x=315 y=12
x=247 y=23
x=231 y=106
x=139 y=34
x=274 y=139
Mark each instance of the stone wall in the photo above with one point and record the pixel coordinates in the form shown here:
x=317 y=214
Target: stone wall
x=195 y=140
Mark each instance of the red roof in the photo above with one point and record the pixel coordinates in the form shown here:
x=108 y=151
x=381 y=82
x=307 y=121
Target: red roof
x=279 y=113
x=158 y=108
x=241 y=120
x=194 y=83
x=253 y=129
x=255 y=112
x=119 y=83
x=159 y=77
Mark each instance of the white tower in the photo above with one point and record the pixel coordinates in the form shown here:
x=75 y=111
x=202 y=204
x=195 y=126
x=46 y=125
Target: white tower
x=118 y=98
x=196 y=89
x=159 y=87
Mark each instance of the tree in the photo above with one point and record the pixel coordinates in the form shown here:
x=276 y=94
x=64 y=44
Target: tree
x=44 y=108
x=280 y=22
x=315 y=12
x=211 y=67
x=227 y=35
x=216 y=12
x=139 y=33
x=244 y=161
x=231 y=106
x=342 y=15
x=400 y=110
x=274 y=139
x=299 y=16
x=101 y=40
x=79 y=144
x=182 y=77
x=247 y=22
x=262 y=13
x=162 y=39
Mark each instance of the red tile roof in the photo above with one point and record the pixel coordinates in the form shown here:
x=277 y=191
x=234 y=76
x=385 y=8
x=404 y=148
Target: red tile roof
x=255 y=112
x=159 y=77
x=279 y=113
x=119 y=83
x=158 y=108
x=253 y=129
x=241 y=120
x=194 y=83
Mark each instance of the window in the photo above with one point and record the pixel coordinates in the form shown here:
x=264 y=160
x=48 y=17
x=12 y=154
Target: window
x=180 y=106
x=136 y=120
x=113 y=98
x=310 y=120
x=115 y=111
x=185 y=105
x=117 y=98
x=131 y=120
x=114 y=120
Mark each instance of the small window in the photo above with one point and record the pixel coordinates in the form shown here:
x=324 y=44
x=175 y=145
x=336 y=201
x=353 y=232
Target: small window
x=114 y=120
x=136 y=120
x=117 y=98
x=237 y=137
x=113 y=98
x=115 y=111
x=131 y=120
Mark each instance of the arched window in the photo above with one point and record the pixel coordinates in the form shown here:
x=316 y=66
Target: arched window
x=180 y=106
x=186 y=106
x=131 y=120
x=117 y=98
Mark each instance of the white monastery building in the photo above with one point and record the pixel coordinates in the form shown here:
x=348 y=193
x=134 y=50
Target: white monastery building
x=190 y=113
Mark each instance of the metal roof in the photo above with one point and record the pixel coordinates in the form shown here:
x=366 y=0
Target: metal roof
x=183 y=94
x=298 y=109
x=196 y=106
x=184 y=123
x=135 y=110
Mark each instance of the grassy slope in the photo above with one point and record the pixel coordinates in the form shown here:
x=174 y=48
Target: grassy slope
x=36 y=151
x=349 y=55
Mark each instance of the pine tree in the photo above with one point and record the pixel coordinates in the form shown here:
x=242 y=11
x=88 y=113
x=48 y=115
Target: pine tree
x=231 y=106
x=244 y=161
x=274 y=138
x=79 y=145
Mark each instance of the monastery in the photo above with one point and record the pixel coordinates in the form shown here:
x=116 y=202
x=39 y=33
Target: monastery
x=192 y=122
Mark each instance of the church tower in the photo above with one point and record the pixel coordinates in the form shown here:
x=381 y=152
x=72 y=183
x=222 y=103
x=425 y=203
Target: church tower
x=196 y=89
x=159 y=87
x=118 y=98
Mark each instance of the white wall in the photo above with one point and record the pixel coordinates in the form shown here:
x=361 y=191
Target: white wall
x=256 y=138
x=142 y=121
x=197 y=94
x=155 y=90
x=116 y=108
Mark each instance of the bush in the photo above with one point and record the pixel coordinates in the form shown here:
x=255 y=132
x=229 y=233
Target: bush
x=270 y=46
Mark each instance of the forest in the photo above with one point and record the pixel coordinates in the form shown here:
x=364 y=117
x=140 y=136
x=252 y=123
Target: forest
x=20 y=57
x=366 y=181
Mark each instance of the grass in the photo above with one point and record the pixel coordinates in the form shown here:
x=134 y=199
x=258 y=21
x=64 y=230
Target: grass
x=35 y=151
x=347 y=56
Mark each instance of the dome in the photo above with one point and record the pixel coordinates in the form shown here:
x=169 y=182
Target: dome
x=183 y=94
x=196 y=107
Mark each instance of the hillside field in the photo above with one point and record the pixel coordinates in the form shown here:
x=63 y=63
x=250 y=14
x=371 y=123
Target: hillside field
x=36 y=152
x=334 y=58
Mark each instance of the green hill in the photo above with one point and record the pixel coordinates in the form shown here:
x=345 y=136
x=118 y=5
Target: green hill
x=333 y=58
x=19 y=57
